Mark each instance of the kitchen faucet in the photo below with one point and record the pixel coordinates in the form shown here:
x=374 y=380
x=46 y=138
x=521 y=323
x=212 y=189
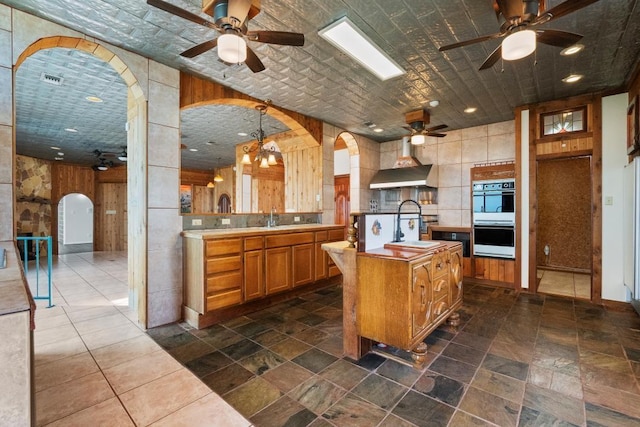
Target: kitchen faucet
x=399 y=234
x=271 y=222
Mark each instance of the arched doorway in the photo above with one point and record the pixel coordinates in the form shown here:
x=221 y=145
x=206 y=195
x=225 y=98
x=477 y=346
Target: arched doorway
x=135 y=141
x=75 y=224
x=224 y=204
x=346 y=159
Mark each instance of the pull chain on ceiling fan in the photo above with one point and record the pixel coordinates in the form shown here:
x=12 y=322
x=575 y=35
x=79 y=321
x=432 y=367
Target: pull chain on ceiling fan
x=231 y=18
x=520 y=39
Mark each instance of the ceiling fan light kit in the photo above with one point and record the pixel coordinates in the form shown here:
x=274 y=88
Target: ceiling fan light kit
x=519 y=45
x=232 y=49
x=418 y=139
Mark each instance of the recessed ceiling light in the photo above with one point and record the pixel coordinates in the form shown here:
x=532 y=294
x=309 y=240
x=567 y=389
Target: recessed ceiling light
x=209 y=142
x=344 y=35
x=60 y=153
x=572 y=50
x=193 y=149
x=72 y=130
x=378 y=130
x=434 y=103
x=58 y=158
x=572 y=78
x=55 y=148
x=93 y=99
x=470 y=110
x=242 y=134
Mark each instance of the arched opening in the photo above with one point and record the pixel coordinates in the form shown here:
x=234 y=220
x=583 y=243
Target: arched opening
x=75 y=224
x=72 y=178
x=224 y=203
x=345 y=171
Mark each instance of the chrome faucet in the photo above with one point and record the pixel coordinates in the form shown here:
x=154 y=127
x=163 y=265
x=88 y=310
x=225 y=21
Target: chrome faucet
x=271 y=222
x=399 y=234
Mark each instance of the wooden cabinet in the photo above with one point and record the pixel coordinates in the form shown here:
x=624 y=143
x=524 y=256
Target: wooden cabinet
x=303 y=264
x=223 y=268
x=278 y=269
x=494 y=269
x=253 y=268
x=401 y=300
x=228 y=273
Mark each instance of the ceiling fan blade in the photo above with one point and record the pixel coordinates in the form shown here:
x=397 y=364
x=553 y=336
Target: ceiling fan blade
x=563 y=9
x=437 y=135
x=253 y=62
x=492 y=59
x=471 y=41
x=558 y=38
x=431 y=129
x=200 y=48
x=277 y=37
x=238 y=9
x=168 y=7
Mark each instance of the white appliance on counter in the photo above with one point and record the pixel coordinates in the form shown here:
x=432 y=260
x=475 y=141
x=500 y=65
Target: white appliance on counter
x=379 y=228
x=631 y=231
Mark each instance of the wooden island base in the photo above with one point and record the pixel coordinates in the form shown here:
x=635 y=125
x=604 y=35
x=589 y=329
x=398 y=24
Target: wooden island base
x=404 y=294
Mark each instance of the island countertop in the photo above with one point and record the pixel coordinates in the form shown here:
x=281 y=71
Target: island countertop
x=249 y=231
x=398 y=252
x=14 y=293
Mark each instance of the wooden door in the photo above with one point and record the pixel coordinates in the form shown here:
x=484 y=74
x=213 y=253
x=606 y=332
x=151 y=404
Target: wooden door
x=253 y=275
x=303 y=257
x=342 y=201
x=111 y=217
x=277 y=269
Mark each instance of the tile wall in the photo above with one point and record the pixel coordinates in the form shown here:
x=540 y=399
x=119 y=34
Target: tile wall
x=455 y=155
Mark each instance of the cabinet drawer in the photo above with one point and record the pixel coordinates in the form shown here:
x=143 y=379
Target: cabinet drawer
x=440 y=264
x=288 y=239
x=440 y=309
x=222 y=282
x=253 y=243
x=321 y=236
x=223 y=247
x=224 y=299
x=336 y=235
x=440 y=288
x=219 y=265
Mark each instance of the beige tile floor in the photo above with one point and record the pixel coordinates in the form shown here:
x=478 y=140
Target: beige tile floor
x=95 y=367
x=575 y=285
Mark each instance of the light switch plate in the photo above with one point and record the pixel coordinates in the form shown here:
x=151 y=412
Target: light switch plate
x=608 y=200
x=196 y=222
x=296 y=219
x=226 y=221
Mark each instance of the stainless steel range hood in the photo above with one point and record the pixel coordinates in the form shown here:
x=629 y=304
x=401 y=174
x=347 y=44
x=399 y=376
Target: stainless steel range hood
x=406 y=172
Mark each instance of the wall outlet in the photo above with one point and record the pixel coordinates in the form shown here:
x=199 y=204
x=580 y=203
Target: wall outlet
x=196 y=222
x=608 y=200
x=226 y=221
x=296 y=219
x=317 y=197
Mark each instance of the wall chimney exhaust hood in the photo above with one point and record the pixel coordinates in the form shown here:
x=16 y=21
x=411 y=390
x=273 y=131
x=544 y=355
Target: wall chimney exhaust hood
x=406 y=172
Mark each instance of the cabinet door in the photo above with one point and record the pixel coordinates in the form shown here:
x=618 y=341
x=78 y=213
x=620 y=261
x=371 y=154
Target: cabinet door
x=455 y=287
x=322 y=262
x=421 y=298
x=303 y=257
x=277 y=269
x=253 y=275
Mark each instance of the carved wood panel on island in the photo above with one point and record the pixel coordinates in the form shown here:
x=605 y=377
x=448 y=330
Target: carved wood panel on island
x=404 y=294
x=232 y=272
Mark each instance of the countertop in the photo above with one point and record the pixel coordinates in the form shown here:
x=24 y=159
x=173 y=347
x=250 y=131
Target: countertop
x=391 y=251
x=14 y=293
x=248 y=231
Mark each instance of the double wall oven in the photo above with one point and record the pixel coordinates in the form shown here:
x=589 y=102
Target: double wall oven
x=494 y=218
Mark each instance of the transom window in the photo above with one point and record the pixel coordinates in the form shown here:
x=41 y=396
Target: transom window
x=560 y=122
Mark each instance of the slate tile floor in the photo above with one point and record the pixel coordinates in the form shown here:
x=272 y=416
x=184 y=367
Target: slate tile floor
x=515 y=361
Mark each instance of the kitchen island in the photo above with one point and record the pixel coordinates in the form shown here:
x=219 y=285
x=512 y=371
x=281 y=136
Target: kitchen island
x=405 y=291
x=234 y=271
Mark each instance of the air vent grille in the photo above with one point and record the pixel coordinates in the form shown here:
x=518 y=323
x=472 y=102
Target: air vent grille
x=51 y=79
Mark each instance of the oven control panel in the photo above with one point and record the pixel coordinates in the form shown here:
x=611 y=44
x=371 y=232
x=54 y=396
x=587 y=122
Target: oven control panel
x=494 y=186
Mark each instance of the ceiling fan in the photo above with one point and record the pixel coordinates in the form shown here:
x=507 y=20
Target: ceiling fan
x=520 y=40
x=230 y=20
x=417 y=121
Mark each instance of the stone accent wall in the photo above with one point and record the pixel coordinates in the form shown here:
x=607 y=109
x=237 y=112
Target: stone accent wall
x=33 y=197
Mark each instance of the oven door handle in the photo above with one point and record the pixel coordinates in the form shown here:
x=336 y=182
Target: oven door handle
x=494 y=223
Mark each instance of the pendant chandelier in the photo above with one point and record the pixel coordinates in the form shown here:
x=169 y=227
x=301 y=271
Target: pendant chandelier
x=266 y=156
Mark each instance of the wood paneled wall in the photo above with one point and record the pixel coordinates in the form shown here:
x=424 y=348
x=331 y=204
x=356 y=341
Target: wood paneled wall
x=204 y=199
x=110 y=217
x=68 y=178
x=303 y=178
